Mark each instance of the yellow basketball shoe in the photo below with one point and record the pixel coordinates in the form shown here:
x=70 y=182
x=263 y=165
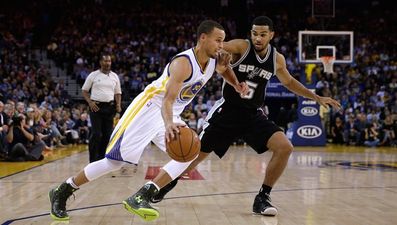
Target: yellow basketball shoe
x=139 y=203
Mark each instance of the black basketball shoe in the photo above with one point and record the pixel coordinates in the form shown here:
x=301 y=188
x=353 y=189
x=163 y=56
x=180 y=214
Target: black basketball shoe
x=163 y=191
x=139 y=203
x=58 y=197
x=262 y=206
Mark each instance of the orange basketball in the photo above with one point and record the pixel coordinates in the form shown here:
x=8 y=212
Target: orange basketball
x=185 y=146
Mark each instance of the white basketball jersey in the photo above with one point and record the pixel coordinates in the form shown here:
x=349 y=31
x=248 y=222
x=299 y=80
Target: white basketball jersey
x=190 y=87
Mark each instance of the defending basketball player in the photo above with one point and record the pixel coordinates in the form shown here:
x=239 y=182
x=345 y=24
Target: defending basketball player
x=166 y=97
x=234 y=116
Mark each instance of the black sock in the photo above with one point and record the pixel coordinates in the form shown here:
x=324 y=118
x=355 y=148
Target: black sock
x=265 y=190
x=171 y=184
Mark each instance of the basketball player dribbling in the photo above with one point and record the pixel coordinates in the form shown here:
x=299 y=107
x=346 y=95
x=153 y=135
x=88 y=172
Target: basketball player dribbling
x=254 y=61
x=166 y=97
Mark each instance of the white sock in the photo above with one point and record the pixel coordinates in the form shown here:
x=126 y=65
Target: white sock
x=151 y=182
x=71 y=182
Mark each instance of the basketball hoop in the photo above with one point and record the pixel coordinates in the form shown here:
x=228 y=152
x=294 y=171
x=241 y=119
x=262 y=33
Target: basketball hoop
x=328 y=63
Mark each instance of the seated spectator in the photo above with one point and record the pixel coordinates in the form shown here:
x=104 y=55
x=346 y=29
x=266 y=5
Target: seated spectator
x=81 y=127
x=321 y=84
x=371 y=135
x=337 y=131
x=50 y=128
x=211 y=102
x=22 y=145
x=3 y=130
x=20 y=108
x=192 y=122
x=388 y=132
x=200 y=122
x=361 y=125
x=200 y=107
x=72 y=135
x=352 y=132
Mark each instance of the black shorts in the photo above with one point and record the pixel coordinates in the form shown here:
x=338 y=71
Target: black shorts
x=226 y=124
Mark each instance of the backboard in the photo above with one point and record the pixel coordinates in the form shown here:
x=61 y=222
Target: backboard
x=315 y=44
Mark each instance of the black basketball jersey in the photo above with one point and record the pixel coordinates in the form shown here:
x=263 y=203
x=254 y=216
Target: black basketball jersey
x=256 y=72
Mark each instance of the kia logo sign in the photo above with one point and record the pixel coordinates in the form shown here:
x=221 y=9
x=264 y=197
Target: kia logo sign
x=309 y=111
x=309 y=131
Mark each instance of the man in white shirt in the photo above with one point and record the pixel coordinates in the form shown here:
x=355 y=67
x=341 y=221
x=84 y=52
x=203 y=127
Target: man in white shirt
x=104 y=102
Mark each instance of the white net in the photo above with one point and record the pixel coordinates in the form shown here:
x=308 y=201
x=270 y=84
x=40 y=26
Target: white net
x=328 y=63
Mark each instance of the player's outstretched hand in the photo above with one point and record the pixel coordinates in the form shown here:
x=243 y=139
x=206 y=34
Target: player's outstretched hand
x=326 y=101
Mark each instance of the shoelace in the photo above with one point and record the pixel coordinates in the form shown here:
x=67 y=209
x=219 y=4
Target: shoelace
x=268 y=198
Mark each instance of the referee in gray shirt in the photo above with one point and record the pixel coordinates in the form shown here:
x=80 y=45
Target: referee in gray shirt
x=104 y=102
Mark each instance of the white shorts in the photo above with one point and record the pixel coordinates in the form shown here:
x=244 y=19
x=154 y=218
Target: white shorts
x=141 y=123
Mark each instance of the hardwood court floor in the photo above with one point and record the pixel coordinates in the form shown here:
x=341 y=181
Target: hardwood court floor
x=334 y=185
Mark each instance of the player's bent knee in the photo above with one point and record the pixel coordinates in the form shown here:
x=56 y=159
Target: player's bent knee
x=96 y=169
x=284 y=148
x=114 y=164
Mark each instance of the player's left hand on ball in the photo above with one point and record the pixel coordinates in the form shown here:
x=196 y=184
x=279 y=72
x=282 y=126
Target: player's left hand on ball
x=171 y=130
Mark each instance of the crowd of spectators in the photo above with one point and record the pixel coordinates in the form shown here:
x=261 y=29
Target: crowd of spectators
x=142 y=37
x=36 y=114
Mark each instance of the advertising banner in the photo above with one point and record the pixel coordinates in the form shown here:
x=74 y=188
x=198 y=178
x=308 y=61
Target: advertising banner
x=275 y=89
x=308 y=130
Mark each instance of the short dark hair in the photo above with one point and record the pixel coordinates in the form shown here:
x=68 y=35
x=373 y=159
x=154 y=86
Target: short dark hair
x=103 y=55
x=263 y=21
x=207 y=26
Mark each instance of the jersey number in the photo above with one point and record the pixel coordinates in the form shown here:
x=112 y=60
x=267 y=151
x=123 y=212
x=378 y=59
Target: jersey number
x=252 y=86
